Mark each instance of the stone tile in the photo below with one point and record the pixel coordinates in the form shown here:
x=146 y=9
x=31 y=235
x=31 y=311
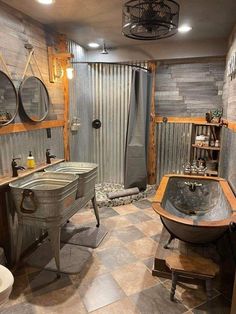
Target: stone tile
x=109 y=241
x=218 y=305
x=66 y=300
x=149 y=263
x=151 y=213
x=189 y=294
x=106 y=212
x=137 y=217
x=143 y=248
x=143 y=204
x=150 y=228
x=124 y=306
x=83 y=217
x=47 y=281
x=116 y=257
x=156 y=237
x=157 y=300
x=22 y=308
x=126 y=209
x=116 y=222
x=134 y=278
x=99 y=292
x=91 y=270
x=128 y=234
x=83 y=236
x=20 y=291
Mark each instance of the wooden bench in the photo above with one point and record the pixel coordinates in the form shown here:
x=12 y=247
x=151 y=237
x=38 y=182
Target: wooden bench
x=194 y=267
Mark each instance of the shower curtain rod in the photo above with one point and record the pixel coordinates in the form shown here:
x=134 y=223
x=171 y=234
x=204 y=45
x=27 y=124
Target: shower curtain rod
x=112 y=63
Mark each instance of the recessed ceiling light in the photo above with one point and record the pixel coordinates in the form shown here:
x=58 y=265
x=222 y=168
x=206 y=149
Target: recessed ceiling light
x=46 y=1
x=93 y=45
x=184 y=28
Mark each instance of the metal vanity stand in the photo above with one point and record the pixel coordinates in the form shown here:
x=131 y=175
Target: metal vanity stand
x=48 y=199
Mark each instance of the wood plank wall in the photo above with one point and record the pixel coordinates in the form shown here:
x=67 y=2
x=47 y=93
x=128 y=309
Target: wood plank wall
x=229 y=101
x=229 y=98
x=16 y=29
x=189 y=88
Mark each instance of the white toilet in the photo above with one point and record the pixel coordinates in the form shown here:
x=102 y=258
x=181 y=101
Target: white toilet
x=6 y=283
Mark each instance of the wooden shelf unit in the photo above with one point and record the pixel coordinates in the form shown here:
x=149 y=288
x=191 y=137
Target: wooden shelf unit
x=209 y=153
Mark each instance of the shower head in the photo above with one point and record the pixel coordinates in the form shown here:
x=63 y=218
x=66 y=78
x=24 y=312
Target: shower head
x=28 y=46
x=104 y=50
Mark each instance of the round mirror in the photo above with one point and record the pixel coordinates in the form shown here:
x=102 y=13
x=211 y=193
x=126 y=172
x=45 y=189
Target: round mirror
x=8 y=100
x=34 y=99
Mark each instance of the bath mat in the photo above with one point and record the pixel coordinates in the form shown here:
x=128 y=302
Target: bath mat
x=72 y=258
x=83 y=236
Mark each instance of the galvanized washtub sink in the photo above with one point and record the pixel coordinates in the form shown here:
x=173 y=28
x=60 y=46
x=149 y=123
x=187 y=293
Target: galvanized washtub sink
x=87 y=173
x=44 y=195
x=45 y=200
x=48 y=199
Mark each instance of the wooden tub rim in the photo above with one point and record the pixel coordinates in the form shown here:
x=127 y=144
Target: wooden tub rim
x=156 y=203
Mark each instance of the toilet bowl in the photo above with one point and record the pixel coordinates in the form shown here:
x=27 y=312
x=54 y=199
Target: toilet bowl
x=6 y=283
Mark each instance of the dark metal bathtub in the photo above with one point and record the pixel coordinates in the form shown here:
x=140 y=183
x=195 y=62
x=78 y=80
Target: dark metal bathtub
x=199 y=215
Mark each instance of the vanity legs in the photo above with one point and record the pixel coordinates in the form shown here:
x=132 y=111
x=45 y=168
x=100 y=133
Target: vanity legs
x=19 y=242
x=54 y=236
x=95 y=207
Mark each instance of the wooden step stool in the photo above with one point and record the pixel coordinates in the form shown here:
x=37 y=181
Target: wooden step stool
x=194 y=267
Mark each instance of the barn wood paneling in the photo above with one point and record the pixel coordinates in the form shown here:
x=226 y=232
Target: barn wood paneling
x=189 y=88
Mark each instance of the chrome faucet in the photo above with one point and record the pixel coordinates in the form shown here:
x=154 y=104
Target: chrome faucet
x=49 y=156
x=15 y=167
x=192 y=185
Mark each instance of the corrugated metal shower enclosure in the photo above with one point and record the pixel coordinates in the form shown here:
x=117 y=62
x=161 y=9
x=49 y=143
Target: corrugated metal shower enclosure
x=100 y=91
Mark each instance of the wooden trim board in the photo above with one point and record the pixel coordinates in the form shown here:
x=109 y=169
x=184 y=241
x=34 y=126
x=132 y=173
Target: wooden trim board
x=25 y=127
x=197 y=120
x=152 y=151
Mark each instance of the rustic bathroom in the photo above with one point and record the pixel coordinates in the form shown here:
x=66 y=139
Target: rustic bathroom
x=117 y=157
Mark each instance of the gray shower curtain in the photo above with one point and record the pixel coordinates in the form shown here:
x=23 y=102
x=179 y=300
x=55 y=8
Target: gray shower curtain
x=137 y=131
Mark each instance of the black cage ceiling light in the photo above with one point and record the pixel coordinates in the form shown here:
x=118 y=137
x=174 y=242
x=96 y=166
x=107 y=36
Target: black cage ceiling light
x=150 y=19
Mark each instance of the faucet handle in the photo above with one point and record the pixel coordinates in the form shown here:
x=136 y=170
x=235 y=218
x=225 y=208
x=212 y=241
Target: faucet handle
x=16 y=158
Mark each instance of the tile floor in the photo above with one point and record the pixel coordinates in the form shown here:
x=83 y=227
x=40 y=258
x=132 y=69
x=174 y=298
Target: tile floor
x=118 y=277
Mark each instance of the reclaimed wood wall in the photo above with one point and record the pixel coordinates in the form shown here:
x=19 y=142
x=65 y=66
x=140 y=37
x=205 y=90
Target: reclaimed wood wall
x=16 y=30
x=229 y=95
x=189 y=88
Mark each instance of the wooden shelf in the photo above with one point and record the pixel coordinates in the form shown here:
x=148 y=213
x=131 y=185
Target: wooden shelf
x=212 y=172
x=206 y=147
x=24 y=127
x=208 y=124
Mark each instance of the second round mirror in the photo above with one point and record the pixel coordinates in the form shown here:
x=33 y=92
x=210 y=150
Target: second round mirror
x=34 y=99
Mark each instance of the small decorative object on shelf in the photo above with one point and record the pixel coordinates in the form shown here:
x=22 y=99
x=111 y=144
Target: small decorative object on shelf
x=214 y=116
x=217 y=143
x=206 y=140
x=202 y=140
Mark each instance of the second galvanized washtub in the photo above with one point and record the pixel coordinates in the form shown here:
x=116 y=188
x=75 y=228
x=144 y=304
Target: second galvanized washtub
x=44 y=195
x=87 y=173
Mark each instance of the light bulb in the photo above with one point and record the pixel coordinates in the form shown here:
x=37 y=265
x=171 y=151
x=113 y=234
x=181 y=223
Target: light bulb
x=46 y=1
x=93 y=45
x=70 y=73
x=184 y=28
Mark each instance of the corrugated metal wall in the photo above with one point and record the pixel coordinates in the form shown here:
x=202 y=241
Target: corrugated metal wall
x=173 y=147
x=19 y=145
x=110 y=100
x=227 y=157
x=80 y=107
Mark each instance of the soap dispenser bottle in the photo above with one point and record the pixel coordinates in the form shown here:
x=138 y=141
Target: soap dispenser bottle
x=30 y=161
